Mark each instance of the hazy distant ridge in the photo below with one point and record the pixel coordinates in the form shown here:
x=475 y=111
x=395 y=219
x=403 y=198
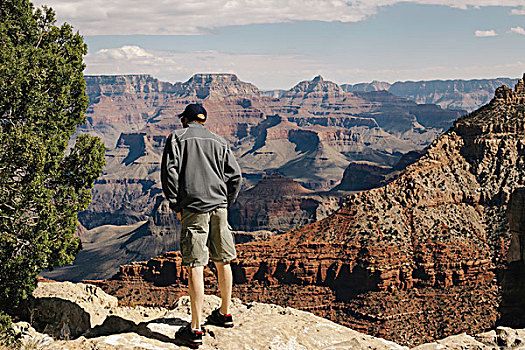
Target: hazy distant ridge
x=449 y=94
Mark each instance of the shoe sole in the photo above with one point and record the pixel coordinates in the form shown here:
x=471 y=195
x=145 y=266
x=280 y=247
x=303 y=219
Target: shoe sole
x=224 y=325
x=187 y=343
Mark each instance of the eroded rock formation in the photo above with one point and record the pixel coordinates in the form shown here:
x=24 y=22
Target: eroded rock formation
x=309 y=134
x=412 y=261
x=106 y=247
x=278 y=203
x=359 y=176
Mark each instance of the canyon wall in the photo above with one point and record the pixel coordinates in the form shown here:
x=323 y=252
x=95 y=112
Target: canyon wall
x=310 y=134
x=449 y=94
x=417 y=259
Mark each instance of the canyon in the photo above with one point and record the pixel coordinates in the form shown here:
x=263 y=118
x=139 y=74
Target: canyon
x=316 y=125
x=310 y=134
x=327 y=141
x=437 y=250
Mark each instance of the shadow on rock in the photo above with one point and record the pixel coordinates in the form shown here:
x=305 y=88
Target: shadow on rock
x=512 y=306
x=115 y=325
x=57 y=317
x=63 y=319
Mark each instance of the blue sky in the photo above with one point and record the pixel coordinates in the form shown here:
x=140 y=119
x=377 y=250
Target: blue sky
x=276 y=44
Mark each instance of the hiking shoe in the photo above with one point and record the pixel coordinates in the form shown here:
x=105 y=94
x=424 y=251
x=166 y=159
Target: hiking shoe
x=218 y=319
x=186 y=336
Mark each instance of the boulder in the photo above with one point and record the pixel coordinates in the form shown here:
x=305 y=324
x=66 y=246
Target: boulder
x=68 y=309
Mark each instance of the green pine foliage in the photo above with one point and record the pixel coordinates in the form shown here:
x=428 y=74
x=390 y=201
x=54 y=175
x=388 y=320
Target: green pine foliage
x=43 y=185
x=8 y=338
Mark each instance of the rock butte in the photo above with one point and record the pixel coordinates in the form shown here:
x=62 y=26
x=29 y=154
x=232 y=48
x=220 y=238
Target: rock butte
x=278 y=203
x=418 y=259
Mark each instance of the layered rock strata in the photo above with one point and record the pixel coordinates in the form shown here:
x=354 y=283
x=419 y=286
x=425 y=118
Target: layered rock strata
x=449 y=94
x=310 y=134
x=278 y=203
x=412 y=261
x=106 y=247
x=359 y=176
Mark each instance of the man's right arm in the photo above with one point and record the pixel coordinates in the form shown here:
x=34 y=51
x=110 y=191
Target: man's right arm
x=169 y=173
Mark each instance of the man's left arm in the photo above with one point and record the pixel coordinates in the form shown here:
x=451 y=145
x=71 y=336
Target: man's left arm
x=233 y=176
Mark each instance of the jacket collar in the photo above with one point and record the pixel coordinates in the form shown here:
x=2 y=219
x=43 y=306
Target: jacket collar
x=195 y=125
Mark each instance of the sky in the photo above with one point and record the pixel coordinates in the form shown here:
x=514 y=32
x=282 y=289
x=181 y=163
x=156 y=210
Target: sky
x=274 y=44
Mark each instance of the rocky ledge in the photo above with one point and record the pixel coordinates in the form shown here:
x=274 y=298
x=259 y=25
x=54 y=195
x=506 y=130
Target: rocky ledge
x=79 y=316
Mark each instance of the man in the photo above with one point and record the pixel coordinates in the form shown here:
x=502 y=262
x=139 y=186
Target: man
x=201 y=178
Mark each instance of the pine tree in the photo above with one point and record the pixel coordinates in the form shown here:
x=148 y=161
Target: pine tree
x=43 y=185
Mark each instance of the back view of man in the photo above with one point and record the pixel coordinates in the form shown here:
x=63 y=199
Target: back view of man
x=201 y=178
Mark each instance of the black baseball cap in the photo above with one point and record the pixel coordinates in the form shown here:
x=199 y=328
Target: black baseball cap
x=194 y=111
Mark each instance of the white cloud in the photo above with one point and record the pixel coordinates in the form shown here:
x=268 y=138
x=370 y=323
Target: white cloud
x=102 y=17
x=125 y=53
x=286 y=70
x=518 y=11
x=518 y=30
x=485 y=33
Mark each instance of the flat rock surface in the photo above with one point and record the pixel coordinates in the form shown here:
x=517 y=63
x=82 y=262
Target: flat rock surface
x=257 y=326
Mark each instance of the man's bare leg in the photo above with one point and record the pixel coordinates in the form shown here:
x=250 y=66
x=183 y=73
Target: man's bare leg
x=196 y=289
x=224 y=272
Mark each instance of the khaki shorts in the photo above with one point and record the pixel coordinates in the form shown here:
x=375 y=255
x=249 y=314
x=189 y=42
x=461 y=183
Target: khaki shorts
x=206 y=232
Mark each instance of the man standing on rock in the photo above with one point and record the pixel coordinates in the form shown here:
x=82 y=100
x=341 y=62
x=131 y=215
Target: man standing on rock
x=201 y=178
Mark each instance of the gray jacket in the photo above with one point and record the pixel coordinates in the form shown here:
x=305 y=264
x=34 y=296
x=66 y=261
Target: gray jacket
x=198 y=170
